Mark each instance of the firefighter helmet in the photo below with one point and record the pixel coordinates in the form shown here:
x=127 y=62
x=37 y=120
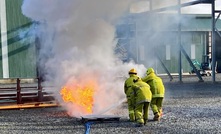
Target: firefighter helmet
x=133 y=71
x=150 y=70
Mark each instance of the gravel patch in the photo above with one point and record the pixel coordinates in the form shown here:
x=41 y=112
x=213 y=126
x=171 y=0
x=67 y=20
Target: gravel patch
x=190 y=107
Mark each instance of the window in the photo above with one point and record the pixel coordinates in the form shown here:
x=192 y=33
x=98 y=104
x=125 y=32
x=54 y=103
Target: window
x=193 y=51
x=168 y=52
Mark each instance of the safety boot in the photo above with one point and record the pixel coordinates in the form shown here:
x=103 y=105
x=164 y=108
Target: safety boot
x=156 y=117
x=131 y=120
x=139 y=125
x=145 y=122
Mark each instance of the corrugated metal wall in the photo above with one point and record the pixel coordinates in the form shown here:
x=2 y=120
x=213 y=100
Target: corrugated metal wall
x=145 y=37
x=188 y=39
x=22 y=50
x=141 y=45
x=21 y=46
x=1 y=73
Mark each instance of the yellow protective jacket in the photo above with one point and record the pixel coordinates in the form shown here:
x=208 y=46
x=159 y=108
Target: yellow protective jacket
x=128 y=83
x=156 y=85
x=142 y=92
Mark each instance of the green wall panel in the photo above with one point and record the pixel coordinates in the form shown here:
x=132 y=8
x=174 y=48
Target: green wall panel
x=187 y=39
x=22 y=52
x=1 y=73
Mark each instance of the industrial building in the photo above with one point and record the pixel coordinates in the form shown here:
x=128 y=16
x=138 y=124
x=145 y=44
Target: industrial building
x=18 y=50
x=146 y=36
x=142 y=37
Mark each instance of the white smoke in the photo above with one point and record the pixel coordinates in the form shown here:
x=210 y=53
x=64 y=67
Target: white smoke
x=77 y=38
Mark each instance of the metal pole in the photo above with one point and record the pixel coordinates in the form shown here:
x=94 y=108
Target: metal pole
x=164 y=67
x=191 y=64
x=4 y=39
x=213 y=42
x=40 y=95
x=179 y=42
x=19 y=97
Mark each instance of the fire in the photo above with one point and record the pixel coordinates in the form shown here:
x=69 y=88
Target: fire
x=80 y=95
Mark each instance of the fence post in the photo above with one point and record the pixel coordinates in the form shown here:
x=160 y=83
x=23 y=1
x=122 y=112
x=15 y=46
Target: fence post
x=18 y=92
x=40 y=95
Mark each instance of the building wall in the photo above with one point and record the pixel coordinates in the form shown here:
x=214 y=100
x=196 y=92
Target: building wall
x=143 y=42
x=149 y=34
x=21 y=46
x=168 y=52
x=1 y=71
x=22 y=49
x=193 y=44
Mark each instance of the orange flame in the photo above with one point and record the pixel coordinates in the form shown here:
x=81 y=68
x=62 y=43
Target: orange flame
x=80 y=95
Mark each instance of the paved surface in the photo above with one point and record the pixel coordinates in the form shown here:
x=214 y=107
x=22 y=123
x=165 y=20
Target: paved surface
x=189 y=107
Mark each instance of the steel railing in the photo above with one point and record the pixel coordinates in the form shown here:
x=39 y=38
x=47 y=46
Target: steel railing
x=25 y=92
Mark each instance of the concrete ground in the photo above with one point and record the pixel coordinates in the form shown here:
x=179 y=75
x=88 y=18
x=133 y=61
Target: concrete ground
x=189 y=107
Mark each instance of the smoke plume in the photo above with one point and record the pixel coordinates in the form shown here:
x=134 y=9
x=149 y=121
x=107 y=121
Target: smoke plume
x=77 y=40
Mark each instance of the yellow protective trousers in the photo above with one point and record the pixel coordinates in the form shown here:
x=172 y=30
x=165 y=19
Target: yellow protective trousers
x=156 y=105
x=130 y=102
x=141 y=112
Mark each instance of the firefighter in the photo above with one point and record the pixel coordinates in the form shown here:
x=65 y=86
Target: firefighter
x=129 y=92
x=143 y=96
x=158 y=90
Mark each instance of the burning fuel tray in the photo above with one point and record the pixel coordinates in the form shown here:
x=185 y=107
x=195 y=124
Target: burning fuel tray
x=99 y=118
